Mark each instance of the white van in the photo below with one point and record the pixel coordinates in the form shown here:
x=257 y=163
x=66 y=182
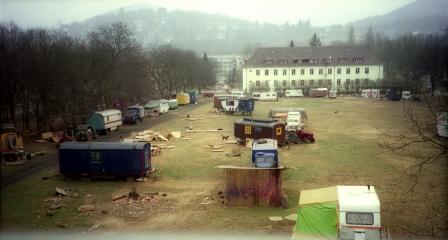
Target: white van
x=256 y=95
x=294 y=93
x=238 y=93
x=268 y=96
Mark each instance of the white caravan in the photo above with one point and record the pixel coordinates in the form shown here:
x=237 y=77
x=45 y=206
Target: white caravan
x=294 y=121
x=294 y=93
x=268 y=96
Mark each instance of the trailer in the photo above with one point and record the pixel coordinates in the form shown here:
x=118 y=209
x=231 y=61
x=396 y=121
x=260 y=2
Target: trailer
x=217 y=98
x=157 y=106
x=274 y=111
x=294 y=93
x=318 y=92
x=11 y=145
x=259 y=128
x=183 y=98
x=172 y=103
x=339 y=212
x=105 y=121
x=268 y=96
x=134 y=114
x=394 y=93
x=104 y=159
x=245 y=105
x=270 y=128
x=193 y=97
x=265 y=153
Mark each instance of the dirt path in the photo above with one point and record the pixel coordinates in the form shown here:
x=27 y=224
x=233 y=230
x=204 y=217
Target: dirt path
x=50 y=158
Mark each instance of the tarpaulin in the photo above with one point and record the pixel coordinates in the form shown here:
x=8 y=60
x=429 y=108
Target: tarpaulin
x=317 y=221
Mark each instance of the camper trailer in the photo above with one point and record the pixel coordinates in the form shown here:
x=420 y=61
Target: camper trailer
x=105 y=121
x=268 y=96
x=333 y=94
x=318 y=92
x=173 y=104
x=238 y=104
x=158 y=106
x=183 y=98
x=256 y=95
x=370 y=93
x=355 y=209
x=294 y=93
x=238 y=93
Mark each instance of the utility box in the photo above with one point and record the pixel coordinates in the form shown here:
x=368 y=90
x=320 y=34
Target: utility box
x=265 y=153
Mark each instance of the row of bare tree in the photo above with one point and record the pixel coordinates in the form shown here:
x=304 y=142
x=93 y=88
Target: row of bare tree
x=47 y=72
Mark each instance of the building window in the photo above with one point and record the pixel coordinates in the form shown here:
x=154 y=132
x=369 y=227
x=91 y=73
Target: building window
x=293 y=72
x=357 y=218
x=357 y=60
x=275 y=83
x=302 y=82
x=321 y=71
x=338 y=82
x=311 y=71
x=275 y=72
x=257 y=83
x=366 y=82
x=293 y=82
x=266 y=83
x=302 y=71
x=347 y=81
x=366 y=70
x=342 y=60
x=296 y=60
x=267 y=61
x=266 y=72
x=330 y=71
x=283 y=61
x=357 y=70
x=338 y=71
x=311 y=82
x=284 y=72
x=347 y=70
x=284 y=83
x=257 y=72
x=320 y=82
x=329 y=82
x=357 y=82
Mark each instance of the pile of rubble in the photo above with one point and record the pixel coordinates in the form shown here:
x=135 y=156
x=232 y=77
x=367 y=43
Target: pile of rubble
x=151 y=135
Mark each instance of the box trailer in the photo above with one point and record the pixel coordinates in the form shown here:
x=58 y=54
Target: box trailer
x=339 y=212
x=294 y=93
x=265 y=153
x=105 y=121
x=104 y=158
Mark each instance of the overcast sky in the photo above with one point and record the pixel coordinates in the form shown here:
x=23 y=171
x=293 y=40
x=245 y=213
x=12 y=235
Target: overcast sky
x=29 y=13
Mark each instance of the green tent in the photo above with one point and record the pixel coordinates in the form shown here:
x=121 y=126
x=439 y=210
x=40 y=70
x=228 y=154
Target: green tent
x=317 y=216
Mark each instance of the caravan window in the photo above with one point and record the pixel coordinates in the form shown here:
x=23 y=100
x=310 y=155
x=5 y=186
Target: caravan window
x=356 y=218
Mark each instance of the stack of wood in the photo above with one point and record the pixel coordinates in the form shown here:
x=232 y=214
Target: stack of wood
x=151 y=135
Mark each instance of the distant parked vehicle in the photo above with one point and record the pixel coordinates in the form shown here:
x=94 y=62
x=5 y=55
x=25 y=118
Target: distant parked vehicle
x=294 y=93
x=245 y=105
x=193 y=97
x=183 y=98
x=11 y=144
x=333 y=94
x=394 y=93
x=268 y=96
x=172 y=103
x=406 y=95
x=85 y=133
x=134 y=114
x=157 y=106
x=238 y=93
x=318 y=92
x=256 y=95
x=105 y=121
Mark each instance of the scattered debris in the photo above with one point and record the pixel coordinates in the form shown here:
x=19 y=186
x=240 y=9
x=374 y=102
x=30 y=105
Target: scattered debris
x=220 y=192
x=141 y=179
x=231 y=142
x=236 y=152
x=61 y=192
x=203 y=130
x=217 y=150
x=134 y=194
x=176 y=134
x=291 y=217
x=45 y=178
x=94 y=226
x=47 y=135
x=189 y=127
x=41 y=141
x=49 y=213
x=86 y=208
x=275 y=218
x=62 y=225
x=52 y=199
x=115 y=198
x=55 y=206
x=186 y=138
x=164 y=195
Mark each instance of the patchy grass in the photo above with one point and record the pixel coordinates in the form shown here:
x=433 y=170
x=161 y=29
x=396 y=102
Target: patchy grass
x=347 y=152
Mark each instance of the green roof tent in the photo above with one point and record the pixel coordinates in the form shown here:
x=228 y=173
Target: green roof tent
x=339 y=212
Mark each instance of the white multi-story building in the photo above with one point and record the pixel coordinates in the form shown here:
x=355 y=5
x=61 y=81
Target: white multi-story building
x=226 y=65
x=341 y=68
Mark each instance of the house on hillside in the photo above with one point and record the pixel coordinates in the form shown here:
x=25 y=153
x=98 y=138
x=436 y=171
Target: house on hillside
x=342 y=68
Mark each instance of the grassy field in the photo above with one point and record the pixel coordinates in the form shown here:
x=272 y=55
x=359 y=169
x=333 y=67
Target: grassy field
x=347 y=151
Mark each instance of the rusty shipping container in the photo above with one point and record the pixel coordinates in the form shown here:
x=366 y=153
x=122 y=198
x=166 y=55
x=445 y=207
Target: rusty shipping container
x=256 y=129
